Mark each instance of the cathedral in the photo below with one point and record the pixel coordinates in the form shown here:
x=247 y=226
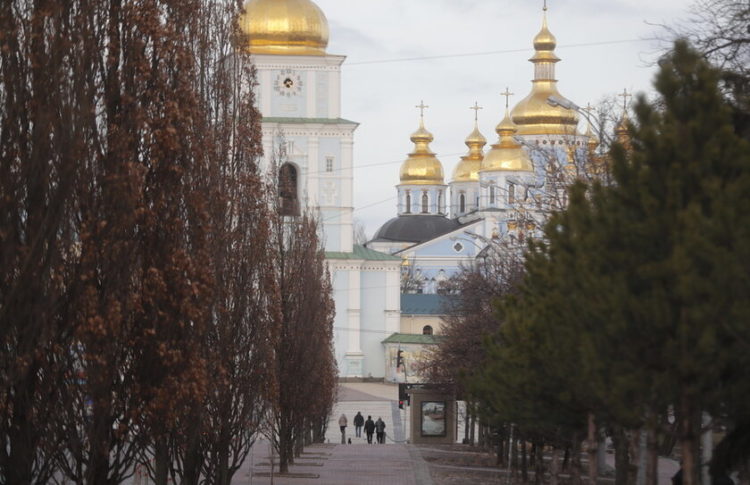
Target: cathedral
x=496 y=197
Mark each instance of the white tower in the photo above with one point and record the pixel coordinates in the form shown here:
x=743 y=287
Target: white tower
x=299 y=96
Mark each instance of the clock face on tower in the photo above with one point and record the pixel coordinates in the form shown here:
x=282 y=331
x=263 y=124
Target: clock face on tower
x=288 y=83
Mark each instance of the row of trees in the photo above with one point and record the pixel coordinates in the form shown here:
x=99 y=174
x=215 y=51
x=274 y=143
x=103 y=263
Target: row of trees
x=146 y=299
x=632 y=314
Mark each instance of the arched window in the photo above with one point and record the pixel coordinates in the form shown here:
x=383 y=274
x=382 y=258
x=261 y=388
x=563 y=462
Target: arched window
x=440 y=202
x=492 y=194
x=427 y=330
x=288 y=200
x=462 y=202
x=425 y=203
x=408 y=202
x=511 y=193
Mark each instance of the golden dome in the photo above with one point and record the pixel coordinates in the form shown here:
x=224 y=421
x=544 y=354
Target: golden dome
x=285 y=27
x=621 y=131
x=534 y=115
x=422 y=167
x=507 y=154
x=467 y=169
x=592 y=140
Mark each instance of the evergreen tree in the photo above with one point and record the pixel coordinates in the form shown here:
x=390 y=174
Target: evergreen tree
x=637 y=299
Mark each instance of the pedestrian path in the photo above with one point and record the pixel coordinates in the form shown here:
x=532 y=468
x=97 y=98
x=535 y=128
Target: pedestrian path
x=376 y=400
x=340 y=465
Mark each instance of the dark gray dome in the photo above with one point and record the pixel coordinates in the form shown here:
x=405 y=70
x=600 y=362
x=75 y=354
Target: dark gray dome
x=415 y=228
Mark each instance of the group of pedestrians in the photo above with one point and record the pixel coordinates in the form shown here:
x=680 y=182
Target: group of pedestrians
x=371 y=427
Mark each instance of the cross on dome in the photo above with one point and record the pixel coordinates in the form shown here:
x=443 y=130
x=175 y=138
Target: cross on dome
x=507 y=95
x=625 y=95
x=476 y=109
x=421 y=107
x=589 y=109
x=545 y=5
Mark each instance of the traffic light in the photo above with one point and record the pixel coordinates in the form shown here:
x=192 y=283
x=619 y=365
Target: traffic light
x=399 y=359
x=401 y=404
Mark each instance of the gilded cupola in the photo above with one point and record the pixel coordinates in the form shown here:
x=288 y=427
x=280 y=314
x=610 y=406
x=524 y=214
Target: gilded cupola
x=533 y=115
x=467 y=169
x=422 y=167
x=285 y=27
x=507 y=154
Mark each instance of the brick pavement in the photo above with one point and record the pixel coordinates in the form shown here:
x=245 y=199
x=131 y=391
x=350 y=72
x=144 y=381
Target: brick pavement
x=342 y=465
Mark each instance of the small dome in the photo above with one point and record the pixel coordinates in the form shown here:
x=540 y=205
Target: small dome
x=507 y=154
x=285 y=27
x=467 y=169
x=545 y=40
x=422 y=167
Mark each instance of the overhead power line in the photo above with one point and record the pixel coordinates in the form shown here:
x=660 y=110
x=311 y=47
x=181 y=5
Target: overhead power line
x=488 y=53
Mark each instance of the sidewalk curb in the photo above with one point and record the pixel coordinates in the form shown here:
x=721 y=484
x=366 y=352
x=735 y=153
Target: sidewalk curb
x=421 y=470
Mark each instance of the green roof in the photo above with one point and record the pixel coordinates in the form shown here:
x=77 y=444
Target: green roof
x=299 y=121
x=361 y=252
x=411 y=338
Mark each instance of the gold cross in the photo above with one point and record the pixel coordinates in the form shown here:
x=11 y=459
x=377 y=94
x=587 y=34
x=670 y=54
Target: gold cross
x=421 y=107
x=625 y=95
x=476 y=109
x=507 y=95
x=589 y=109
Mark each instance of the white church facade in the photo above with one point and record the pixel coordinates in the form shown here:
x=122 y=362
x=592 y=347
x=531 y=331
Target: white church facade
x=496 y=197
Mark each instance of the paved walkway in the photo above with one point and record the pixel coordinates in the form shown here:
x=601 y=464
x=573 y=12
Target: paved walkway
x=340 y=465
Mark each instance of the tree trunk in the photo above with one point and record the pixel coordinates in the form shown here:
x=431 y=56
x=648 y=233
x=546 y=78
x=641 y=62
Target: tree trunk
x=652 y=455
x=20 y=459
x=161 y=462
x=524 y=463
x=466 y=422
x=473 y=426
x=538 y=463
x=592 y=444
x=688 y=433
x=555 y=467
x=622 y=459
x=575 y=460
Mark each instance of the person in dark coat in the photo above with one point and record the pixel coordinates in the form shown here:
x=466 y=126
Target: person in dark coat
x=359 y=421
x=369 y=429
x=380 y=430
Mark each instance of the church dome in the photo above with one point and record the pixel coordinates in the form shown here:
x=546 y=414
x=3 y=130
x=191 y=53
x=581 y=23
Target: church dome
x=415 y=228
x=285 y=27
x=507 y=154
x=467 y=169
x=422 y=167
x=534 y=115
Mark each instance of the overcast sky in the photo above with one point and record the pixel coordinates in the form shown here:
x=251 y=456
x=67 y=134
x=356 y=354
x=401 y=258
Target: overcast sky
x=380 y=89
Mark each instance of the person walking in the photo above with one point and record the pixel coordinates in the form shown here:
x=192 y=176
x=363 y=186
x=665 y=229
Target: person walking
x=359 y=421
x=369 y=429
x=342 y=424
x=380 y=430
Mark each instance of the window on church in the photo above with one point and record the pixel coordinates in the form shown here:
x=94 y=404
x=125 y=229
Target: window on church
x=288 y=200
x=329 y=164
x=427 y=330
x=408 y=202
x=425 y=203
x=462 y=203
x=511 y=193
x=492 y=194
x=440 y=202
